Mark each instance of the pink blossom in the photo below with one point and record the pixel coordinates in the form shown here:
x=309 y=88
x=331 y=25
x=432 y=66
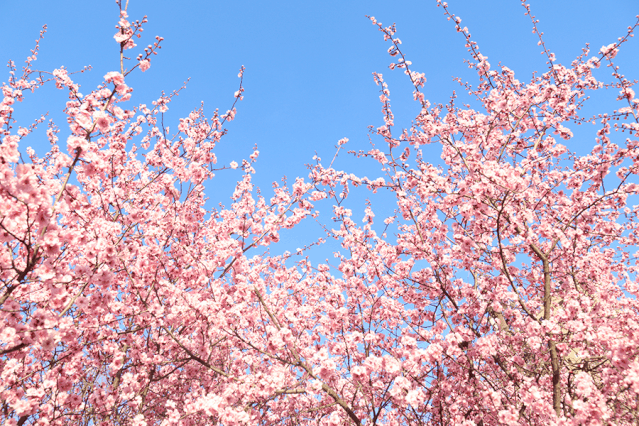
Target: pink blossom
x=8 y=335
x=145 y=65
x=114 y=77
x=610 y=50
x=101 y=119
x=120 y=37
x=9 y=148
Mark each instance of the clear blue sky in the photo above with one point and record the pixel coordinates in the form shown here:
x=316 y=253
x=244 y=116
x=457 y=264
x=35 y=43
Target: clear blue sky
x=308 y=63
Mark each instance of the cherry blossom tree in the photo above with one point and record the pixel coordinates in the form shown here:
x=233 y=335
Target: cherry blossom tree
x=502 y=291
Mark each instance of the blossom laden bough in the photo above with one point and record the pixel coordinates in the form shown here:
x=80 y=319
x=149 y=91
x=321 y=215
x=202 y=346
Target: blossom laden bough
x=502 y=291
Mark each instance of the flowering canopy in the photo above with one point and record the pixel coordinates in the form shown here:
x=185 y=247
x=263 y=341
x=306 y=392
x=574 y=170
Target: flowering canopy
x=507 y=293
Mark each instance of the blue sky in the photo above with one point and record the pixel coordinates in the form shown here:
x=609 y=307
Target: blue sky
x=309 y=65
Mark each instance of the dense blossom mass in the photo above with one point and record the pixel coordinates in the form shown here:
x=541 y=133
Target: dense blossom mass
x=503 y=291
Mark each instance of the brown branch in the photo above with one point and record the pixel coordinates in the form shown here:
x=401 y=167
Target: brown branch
x=13 y=349
x=196 y=357
x=554 y=356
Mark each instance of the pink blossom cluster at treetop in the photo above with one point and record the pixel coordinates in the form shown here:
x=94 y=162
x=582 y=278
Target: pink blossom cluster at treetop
x=502 y=291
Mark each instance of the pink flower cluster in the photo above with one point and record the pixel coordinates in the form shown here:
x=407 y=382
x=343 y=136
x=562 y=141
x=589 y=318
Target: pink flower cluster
x=501 y=291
